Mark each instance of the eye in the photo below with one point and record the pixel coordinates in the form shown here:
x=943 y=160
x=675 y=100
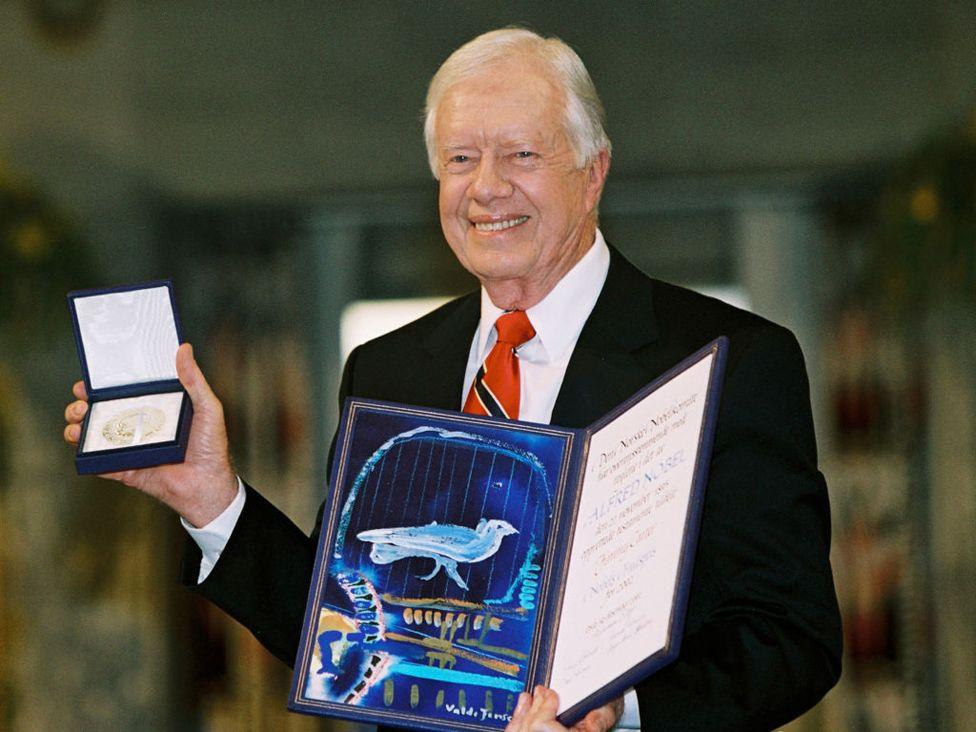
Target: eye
x=524 y=154
x=458 y=159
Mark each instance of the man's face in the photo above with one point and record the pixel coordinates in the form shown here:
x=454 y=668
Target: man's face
x=513 y=205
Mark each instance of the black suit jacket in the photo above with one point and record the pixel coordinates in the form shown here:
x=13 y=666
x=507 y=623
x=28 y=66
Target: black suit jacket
x=762 y=637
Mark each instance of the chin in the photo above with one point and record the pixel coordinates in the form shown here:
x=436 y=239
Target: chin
x=498 y=249
x=497 y=265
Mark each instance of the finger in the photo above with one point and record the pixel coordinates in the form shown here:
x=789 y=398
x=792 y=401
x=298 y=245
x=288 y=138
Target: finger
x=72 y=433
x=592 y=722
x=519 y=713
x=600 y=719
x=78 y=389
x=193 y=381
x=76 y=411
x=544 y=702
x=541 y=716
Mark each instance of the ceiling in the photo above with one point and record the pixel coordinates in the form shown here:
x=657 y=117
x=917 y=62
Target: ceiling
x=269 y=99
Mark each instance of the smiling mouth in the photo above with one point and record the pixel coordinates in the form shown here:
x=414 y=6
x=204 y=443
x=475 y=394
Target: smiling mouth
x=500 y=225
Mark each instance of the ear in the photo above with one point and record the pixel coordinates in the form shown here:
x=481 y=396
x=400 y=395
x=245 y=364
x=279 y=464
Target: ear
x=596 y=176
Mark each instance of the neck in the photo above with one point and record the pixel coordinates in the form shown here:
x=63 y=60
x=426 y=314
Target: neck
x=522 y=293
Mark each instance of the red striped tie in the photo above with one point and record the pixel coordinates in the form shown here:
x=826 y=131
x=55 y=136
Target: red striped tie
x=496 y=389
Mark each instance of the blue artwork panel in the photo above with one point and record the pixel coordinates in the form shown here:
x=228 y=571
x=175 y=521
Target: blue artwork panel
x=432 y=557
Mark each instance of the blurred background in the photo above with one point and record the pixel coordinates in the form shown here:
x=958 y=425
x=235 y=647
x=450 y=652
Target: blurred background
x=814 y=162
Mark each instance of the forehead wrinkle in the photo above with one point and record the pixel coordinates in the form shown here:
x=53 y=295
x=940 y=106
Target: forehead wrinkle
x=487 y=133
x=486 y=93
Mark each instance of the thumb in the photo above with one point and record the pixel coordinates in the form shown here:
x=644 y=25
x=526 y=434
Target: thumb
x=192 y=379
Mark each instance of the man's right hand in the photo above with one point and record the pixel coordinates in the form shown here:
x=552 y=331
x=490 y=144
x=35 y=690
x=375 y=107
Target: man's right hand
x=204 y=484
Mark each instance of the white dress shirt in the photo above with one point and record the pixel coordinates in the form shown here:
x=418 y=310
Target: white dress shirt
x=558 y=320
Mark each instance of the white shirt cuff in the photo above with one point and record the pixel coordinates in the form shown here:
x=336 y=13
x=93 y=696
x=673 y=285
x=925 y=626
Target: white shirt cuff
x=630 y=719
x=213 y=537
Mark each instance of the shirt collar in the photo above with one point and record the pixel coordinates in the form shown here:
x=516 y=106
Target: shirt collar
x=559 y=317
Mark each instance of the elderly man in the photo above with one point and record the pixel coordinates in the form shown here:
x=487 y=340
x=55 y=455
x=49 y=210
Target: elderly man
x=515 y=138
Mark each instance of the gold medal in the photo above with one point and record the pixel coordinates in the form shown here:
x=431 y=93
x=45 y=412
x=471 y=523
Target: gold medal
x=133 y=426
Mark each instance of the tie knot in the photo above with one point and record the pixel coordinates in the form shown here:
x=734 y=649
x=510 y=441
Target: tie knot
x=514 y=328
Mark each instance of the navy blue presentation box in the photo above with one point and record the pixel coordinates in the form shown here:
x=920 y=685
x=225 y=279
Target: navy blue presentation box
x=139 y=414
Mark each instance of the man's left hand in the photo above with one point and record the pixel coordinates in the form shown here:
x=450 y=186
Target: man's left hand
x=536 y=712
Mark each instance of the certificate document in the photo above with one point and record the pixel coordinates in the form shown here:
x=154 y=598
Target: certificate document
x=622 y=576
x=464 y=559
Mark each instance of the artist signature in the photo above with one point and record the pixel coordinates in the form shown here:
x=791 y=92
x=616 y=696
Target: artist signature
x=482 y=713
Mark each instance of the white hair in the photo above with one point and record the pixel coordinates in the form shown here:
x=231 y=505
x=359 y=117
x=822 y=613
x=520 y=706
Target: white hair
x=584 y=118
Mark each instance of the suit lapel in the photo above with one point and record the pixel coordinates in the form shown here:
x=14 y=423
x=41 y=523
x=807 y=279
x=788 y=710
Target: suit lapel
x=444 y=355
x=605 y=369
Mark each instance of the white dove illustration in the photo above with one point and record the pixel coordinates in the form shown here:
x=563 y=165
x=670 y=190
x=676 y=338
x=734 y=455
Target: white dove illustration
x=446 y=544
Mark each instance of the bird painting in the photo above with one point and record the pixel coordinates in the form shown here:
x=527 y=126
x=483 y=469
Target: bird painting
x=446 y=544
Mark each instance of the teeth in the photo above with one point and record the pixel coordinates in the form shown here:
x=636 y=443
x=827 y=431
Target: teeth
x=500 y=225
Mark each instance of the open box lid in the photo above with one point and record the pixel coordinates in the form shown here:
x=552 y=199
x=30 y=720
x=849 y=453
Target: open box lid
x=126 y=336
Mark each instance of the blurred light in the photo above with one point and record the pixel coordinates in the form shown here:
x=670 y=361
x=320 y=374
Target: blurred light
x=925 y=204
x=731 y=294
x=31 y=241
x=364 y=320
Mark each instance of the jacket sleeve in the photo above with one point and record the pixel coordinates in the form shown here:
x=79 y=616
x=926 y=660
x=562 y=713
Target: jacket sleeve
x=763 y=639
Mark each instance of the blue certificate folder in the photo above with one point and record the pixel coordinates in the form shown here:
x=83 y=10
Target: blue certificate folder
x=444 y=580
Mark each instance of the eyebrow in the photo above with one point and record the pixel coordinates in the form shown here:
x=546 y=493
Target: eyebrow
x=505 y=144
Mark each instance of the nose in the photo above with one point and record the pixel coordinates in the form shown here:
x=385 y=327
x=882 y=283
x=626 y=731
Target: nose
x=490 y=181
